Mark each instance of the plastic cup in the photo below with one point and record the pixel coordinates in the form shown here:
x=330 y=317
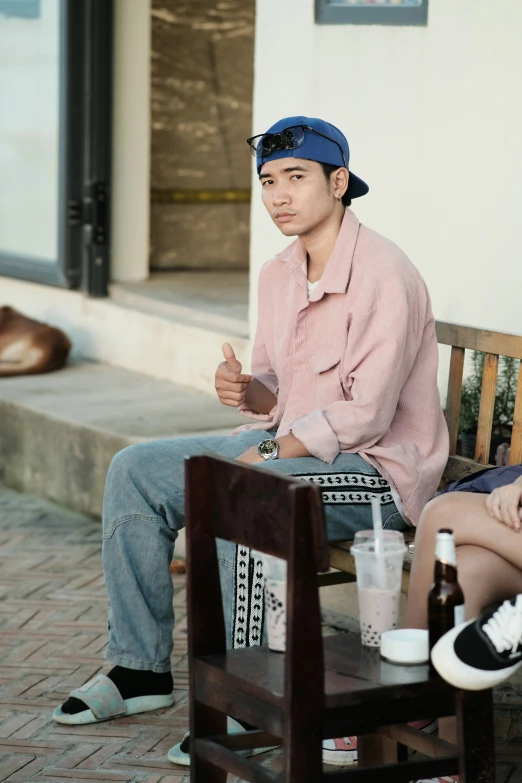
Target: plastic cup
x=275 y=604
x=379 y=577
x=274 y=570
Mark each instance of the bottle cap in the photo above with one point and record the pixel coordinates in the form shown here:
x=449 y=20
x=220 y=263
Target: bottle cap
x=445 y=551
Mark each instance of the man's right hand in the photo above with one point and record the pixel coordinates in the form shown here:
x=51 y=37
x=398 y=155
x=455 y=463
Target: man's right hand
x=231 y=385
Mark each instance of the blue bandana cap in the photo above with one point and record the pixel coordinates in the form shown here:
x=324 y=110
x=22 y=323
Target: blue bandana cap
x=315 y=147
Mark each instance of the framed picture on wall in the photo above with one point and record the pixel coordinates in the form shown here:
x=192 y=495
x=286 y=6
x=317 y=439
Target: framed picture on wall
x=394 y=12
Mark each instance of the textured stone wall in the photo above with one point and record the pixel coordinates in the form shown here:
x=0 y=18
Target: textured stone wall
x=202 y=78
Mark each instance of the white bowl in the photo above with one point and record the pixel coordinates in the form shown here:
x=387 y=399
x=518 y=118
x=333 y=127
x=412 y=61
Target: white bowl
x=405 y=645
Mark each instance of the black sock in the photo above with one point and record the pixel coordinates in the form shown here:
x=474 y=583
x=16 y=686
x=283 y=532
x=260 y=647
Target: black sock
x=130 y=683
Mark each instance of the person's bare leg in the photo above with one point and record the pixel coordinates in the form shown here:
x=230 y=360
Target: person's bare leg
x=481 y=574
x=485 y=578
x=484 y=575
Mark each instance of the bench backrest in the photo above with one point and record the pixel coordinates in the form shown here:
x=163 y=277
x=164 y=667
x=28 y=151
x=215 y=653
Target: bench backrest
x=493 y=344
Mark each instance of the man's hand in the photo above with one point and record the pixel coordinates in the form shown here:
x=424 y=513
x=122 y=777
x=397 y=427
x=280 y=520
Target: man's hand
x=504 y=505
x=230 y=383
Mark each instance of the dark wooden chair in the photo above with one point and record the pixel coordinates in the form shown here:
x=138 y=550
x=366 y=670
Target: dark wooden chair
x=459 y=338
x=319 y=688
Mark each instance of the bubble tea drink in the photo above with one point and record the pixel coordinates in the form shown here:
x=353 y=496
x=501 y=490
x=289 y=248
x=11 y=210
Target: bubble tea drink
x=379 y=575
x=274 y=570
x=275 y=603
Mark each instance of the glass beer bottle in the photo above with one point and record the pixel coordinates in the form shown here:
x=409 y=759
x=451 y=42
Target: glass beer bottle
x=445 y=598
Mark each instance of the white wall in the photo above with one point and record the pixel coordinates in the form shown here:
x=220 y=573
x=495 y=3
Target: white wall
x=434 y=120
x=131 y=142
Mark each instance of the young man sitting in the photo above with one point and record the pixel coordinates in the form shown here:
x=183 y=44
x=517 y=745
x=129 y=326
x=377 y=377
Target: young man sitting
x=343 y=392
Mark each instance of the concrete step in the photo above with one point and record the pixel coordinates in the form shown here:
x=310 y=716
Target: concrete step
x=59 y=432
x=216 y=300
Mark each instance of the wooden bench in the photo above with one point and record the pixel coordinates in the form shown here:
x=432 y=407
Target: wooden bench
x=460 y=338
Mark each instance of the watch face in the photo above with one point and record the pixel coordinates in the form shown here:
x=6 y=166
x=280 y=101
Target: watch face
x=267 y=447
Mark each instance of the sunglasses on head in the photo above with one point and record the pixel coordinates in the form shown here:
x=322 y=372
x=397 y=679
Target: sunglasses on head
x=291 y=138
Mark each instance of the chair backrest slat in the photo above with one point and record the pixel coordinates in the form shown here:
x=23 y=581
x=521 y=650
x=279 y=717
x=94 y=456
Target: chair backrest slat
x=487 y=406
x=479 y=339
x=493 y=345
x=515 y=456
x=452 y=412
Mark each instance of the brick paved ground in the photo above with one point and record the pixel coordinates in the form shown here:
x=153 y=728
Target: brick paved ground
x=52 y=634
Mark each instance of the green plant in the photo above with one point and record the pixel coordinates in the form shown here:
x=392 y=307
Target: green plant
x=470 y=398
x=505 y=393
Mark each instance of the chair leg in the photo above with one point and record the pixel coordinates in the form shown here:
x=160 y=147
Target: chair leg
x=206 y=722
x=475 y=736
x=374 y=749
x=302 y=757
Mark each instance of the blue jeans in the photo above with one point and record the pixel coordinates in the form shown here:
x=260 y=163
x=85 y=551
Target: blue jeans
x=144 y=510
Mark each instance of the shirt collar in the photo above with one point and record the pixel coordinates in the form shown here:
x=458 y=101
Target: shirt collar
x=337 y=273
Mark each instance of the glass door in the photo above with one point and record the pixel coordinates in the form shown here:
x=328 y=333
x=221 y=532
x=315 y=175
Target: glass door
x=50 y=120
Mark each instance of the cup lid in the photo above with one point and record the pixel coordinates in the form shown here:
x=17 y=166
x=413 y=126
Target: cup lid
x=364 y=541
x=405 y=645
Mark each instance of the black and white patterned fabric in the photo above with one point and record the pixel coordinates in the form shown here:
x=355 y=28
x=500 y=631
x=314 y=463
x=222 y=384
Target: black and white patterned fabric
x=249 y=600
x=350 y=488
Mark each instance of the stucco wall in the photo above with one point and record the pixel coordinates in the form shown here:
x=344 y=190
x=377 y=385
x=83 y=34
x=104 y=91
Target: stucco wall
x=434 y=119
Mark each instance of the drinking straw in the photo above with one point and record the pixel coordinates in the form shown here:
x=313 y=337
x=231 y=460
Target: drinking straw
x=377 y=524
x=378 y=541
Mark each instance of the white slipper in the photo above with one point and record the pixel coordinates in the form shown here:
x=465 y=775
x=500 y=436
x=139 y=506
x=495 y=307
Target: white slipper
x=104 y=702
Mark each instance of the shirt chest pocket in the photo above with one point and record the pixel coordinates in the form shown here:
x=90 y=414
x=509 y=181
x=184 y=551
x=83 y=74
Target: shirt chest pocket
x=326 y=364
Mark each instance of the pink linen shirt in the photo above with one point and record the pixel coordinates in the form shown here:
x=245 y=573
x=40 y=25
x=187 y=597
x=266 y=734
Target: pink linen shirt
x=354 y=367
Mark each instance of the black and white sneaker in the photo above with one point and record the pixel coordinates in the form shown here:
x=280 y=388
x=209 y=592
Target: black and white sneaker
x=484 y=652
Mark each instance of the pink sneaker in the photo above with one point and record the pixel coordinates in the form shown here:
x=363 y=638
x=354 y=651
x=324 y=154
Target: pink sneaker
x=448 y=779
x=428 y=726
x=341 y=751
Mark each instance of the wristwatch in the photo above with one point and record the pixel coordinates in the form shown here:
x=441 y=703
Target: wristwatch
x=268 y=449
